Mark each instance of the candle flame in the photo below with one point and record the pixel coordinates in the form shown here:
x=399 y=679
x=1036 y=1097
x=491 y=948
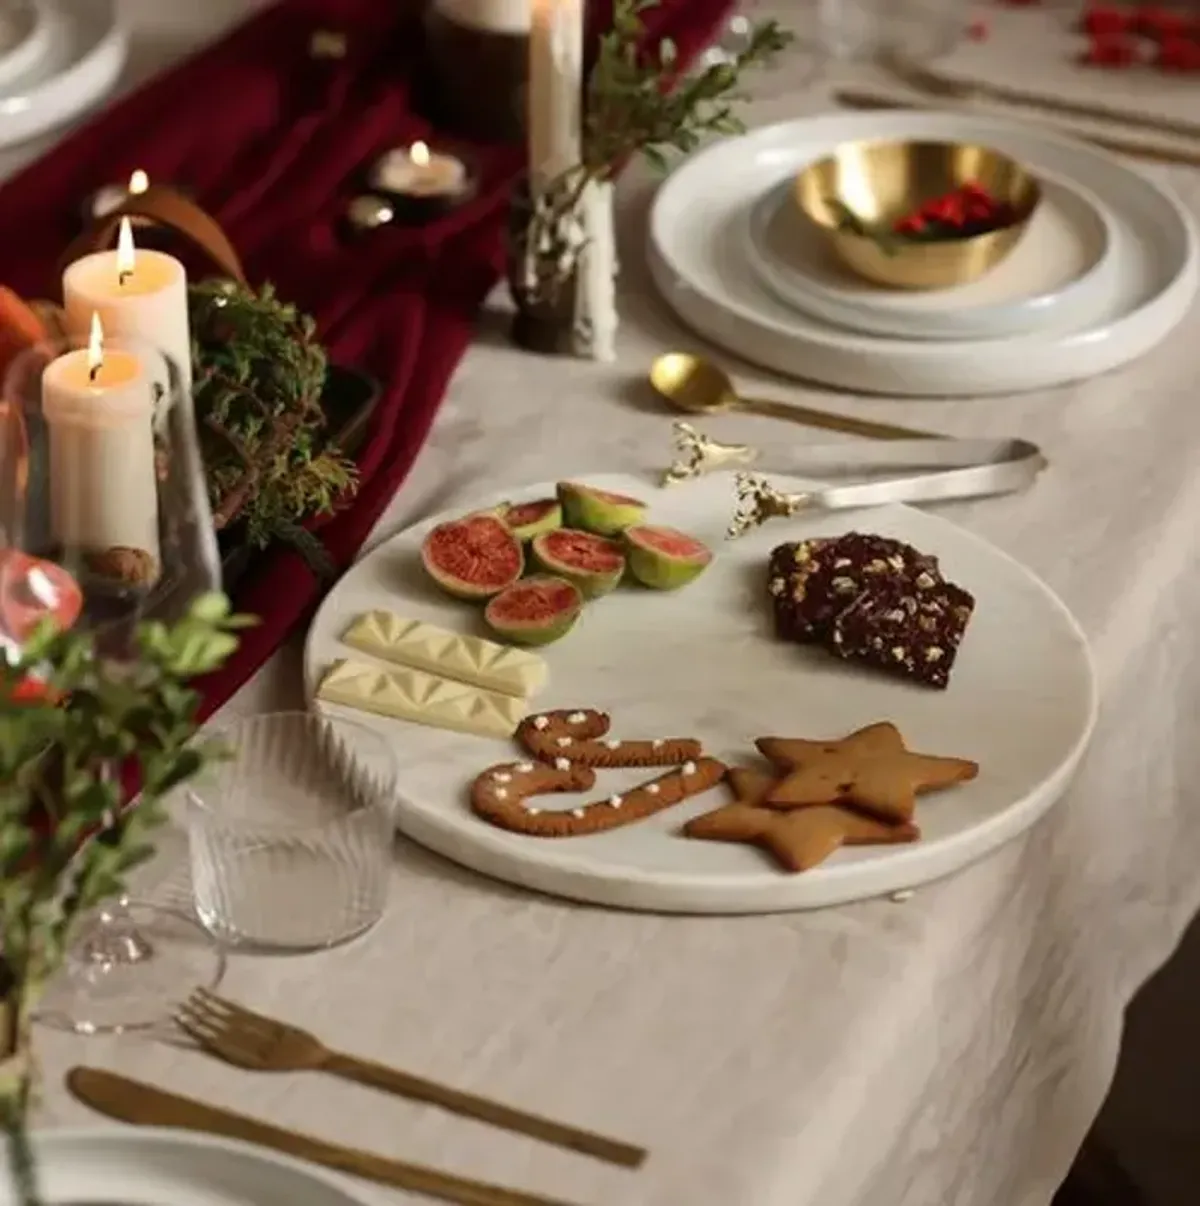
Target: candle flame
x=419 y=154
x=126 y=257
x=139 y=182
x=95 y=351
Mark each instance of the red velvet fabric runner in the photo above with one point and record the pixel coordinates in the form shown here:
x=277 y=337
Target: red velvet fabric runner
x=273 y=143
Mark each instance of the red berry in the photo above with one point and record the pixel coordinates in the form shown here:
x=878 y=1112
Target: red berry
x=1105 y=20
x=1178 y=54
x=913 y=224
x=1153 y=21
x=1111 y=52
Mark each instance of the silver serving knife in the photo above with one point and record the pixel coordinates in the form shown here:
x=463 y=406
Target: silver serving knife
x=132 y=1101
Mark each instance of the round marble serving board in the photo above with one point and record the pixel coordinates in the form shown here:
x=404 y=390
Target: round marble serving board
x=148 y=1166
x=1062 y=274
x=703 y=662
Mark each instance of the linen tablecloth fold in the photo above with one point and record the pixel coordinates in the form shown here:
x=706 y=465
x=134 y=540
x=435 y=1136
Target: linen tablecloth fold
x=273 y=141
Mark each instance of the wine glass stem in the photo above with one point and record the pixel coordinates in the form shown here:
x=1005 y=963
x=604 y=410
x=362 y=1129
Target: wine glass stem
x=114 y=938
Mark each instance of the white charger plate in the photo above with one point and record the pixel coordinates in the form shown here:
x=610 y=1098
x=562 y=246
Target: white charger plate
x=703 y=662
x=697 y=252
x=24 y=36
x=147 y=1166
x=81 y=52
x=1064 y=272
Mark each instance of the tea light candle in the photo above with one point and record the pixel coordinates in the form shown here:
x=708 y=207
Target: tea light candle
x=420 y=183
x=98 y=406
x=139 y=295
x=104 y=200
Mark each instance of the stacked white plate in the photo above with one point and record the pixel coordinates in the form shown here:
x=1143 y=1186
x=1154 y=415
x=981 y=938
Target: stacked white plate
x=58 y=58
x=1107 y=269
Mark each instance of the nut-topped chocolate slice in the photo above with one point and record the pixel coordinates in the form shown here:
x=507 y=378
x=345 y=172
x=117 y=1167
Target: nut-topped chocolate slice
x=811 y=582
x=902 y=630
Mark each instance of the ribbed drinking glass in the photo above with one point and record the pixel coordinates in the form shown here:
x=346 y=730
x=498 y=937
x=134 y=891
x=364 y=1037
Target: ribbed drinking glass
x=291 y=840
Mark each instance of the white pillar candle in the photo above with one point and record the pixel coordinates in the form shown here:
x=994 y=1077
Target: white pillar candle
x=139 y=295
x=98 y=406
x=555 y=88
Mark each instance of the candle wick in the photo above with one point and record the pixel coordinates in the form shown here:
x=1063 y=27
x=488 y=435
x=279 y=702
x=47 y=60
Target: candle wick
x=124 y=275
x=92 y=374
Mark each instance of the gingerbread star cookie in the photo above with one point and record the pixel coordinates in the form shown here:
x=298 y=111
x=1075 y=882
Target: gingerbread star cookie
x=871 y=770
x=798 y=840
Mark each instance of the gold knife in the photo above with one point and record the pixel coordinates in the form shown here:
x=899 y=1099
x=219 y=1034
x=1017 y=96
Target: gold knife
x=132 y=1101
x=859 y=98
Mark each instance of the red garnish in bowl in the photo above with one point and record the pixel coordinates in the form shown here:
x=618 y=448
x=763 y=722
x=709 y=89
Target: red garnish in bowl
x=968 y=211
x=1178 y=54
x=1155 y=21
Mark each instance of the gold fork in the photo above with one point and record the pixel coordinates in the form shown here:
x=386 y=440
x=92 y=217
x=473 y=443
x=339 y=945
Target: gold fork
x=250 y=1040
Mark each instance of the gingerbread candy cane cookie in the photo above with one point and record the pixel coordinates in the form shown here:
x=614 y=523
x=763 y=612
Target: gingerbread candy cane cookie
x=501 y=796
x=578 y=737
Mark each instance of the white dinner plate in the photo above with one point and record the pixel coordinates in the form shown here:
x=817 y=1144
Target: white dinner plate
x=146 y=1166
x=697 y=250
x=703 y=662
x=24 y=36
x=1063 y=273
x=81 y=51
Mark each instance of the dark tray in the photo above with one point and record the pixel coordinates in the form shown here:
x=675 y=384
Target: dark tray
x=348 y=399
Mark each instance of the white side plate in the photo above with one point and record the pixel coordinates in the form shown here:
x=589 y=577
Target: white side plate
x=697 y=249
x=703 y=662
x=81 y=56
x=146 y=1166
x=24 y=36
x=1064 y=273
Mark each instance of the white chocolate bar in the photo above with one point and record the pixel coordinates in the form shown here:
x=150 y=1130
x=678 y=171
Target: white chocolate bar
x=406 y=694
x=426 y=647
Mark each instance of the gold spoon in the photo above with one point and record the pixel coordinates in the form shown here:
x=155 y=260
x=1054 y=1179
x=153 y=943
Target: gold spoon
x=699 y=387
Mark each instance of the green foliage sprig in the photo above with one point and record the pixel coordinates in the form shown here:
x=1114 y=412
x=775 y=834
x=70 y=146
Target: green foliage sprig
x=259 y=372
x=638 y=103
x=63 y=749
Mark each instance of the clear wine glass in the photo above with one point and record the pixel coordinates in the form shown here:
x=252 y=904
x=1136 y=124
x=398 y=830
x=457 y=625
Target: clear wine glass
x=104 y=523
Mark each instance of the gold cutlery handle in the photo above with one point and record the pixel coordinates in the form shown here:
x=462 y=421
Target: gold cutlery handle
x=774 y=409
x=132 y=1101
x=417 y=1088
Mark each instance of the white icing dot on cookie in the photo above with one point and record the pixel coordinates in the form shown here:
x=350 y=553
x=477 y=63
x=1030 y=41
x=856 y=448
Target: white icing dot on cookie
x=563 y=741
x=502 y=777
x=614 y=801
x=501 y=794
x=562 y=763
x=657 y=743
x=577 y=812
x=689 y=768
x=577 y=718
x=524 y=767
x=541 y=722
x=651 y=789
x=612 y=745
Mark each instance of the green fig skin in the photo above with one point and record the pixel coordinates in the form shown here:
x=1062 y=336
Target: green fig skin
x=533 y=633
x=591 y=584
x=659 y=570
x=549 y=522
x=597 y=512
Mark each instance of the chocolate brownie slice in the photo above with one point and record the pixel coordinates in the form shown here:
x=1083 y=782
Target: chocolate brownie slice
x=915 y=633
x=812 y=581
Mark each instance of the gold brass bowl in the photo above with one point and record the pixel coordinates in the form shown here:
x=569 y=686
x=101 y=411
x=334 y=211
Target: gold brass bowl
x=881 y=182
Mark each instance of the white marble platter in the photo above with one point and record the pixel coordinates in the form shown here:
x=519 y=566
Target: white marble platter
x=703 y=662
x=147 y=1166
x=698 y=258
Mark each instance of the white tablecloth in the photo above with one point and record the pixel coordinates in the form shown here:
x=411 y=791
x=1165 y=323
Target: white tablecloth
x=948 y=1051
